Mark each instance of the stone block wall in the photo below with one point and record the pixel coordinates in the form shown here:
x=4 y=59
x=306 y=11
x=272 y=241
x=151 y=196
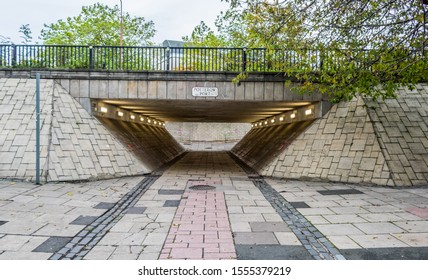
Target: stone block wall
x=401 y=127
x=152 y=145
x=341 y=146
x=74 y=145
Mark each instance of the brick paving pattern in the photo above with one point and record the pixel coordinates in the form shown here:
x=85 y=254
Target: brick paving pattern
x=200 y=229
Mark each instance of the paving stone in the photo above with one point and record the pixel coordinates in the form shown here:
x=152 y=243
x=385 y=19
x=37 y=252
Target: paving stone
x=271 y=252
x=257 y=238
x=171 y=203
x=299 y=204
x=136 y=210
x=378 y=228
x=340 y=192
x=170 y=192
x=84 y=220
x=377 y=241
x=269 y=226
x=52 y=245
x=104 y=205
x=339 y=229
x=405 y=253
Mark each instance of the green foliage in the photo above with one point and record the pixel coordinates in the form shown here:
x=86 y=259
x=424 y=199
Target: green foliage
x=99 y=25
x=339 y=47
x=25 y=34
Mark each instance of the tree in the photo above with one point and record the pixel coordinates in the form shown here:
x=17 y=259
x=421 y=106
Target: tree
x=26 y=34
x=344 y=47
x=99 y=24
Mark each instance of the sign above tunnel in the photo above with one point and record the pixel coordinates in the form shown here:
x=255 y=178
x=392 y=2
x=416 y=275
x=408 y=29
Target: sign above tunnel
x=204 y=91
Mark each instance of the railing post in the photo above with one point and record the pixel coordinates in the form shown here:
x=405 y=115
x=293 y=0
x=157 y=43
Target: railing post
x=13 y=55
x=168 y=58
x=244 y=59
x=91 y=57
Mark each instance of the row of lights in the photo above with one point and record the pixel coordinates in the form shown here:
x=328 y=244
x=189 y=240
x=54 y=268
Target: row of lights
x=133 y=117
x=292 y=116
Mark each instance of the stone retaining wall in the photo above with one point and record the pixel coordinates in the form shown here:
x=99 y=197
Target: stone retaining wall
x=74 y=145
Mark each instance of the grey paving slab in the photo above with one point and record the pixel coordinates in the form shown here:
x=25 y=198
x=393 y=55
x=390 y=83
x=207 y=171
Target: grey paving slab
x=340 y=192
x=171 y=203
x=256 y=238
x=300 y=204
x=136 y=210
x=269 y=226
x=104 y=205
x=170 y=192
x=52 y=245
x=84 y=220
x=419 y=253
x=271 y=252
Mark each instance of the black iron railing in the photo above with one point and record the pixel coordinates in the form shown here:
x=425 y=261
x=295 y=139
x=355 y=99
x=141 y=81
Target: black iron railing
x=163 y=58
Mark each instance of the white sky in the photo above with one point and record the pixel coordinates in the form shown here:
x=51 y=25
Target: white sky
x=173 y=18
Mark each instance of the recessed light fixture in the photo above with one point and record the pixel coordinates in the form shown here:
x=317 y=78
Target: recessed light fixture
x=120 y=114
x=272 y=121
x=308 y=112
x=266 y=122
x=132 y=117
x=141 y=119
x=103 y=110
x=281 y=119
x=293 y=115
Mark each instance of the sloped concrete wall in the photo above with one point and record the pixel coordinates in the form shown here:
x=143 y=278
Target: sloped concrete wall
x=401 y=127
x=152 y=145
x=341 y=146
x=262 y=145
x=74 y=145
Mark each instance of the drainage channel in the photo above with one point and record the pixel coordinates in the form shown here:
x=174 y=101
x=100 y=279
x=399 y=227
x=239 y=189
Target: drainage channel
x=87 y=238
x=312 y=239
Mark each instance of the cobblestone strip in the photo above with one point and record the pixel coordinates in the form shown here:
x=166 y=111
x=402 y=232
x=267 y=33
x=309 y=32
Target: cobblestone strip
x=311 y=238
x=86 y=239
x=200 y=229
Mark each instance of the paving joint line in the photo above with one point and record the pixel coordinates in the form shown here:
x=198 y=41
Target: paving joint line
x=311 y=238
x=86 y=239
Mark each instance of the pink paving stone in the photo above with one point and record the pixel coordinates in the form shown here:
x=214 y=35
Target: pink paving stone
x=217 y=256
x=202 y=214
x=186 y=253
x=189 y=239
x=176 y=245
x=420 y=212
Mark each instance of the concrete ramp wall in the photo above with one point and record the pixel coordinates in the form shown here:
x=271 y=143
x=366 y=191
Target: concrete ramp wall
x=74 y=145
x=383 y=143
x=152 y=145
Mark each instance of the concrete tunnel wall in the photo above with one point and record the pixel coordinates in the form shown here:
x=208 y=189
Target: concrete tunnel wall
x=361 y=141
x=74 y=145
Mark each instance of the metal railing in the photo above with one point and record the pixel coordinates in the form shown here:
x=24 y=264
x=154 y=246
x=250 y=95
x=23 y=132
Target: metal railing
x=114 y=58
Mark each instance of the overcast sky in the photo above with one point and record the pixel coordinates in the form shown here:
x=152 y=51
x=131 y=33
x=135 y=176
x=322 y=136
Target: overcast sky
x=173 y=18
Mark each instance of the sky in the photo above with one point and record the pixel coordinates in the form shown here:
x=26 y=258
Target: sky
x=173 y=18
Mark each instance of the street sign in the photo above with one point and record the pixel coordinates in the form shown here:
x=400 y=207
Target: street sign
x=204 y=91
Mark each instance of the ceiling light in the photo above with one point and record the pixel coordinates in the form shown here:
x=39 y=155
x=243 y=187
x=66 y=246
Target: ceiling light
x=293 y=115
x=272 y=121
x=120 y=114
x=103 y=110
x=132 y=117
x=141 y=119
x=308 y=112
x=281 y=119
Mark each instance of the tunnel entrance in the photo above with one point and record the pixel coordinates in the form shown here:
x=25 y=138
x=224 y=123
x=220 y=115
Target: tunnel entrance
x=157 y=131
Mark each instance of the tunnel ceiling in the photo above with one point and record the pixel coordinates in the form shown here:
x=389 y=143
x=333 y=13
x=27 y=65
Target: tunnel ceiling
x=206 y=110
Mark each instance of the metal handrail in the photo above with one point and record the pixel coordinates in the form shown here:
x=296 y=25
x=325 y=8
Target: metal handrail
x=153 y=58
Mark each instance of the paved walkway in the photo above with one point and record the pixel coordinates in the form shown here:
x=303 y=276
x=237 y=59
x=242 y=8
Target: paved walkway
x=206 y=207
